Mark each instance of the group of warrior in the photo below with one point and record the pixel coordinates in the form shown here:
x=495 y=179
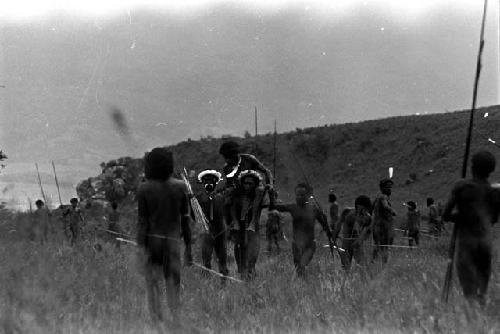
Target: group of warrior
x=232 y=202
x=42 y=225
x=234 y=210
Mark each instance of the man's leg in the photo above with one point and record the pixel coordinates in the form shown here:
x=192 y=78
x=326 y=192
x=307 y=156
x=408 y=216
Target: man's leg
x=243 y=249
x=172 y=274
x=257 y=208
x=252 y=251
x=308 y=254
x=206 y=250
x=152 y=289
x=221 y=253
x=297 y=256
x=346 y=257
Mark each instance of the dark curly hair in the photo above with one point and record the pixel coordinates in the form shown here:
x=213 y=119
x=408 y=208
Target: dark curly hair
x=229 y=149
x=158 y=164
x=483 y=163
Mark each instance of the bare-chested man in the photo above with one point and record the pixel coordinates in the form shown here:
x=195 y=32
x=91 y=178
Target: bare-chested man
x=273 y=231
x=75 y=221
x=383 y=220
x=474 y=205
x=163 y=211
x=434 y=219
x=356 y=228
x=114 y=223
x=412 y=223
x=212 y=204
x=304 y=216
x=245 y=233
x=236 y=163
x=41 y=222
x=334 y=210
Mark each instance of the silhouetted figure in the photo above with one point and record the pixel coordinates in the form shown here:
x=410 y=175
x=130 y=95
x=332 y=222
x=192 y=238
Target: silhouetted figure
x=163 y=211
x=474 y=205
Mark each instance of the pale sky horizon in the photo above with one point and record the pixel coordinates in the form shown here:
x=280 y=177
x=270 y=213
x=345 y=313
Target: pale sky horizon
x=185 y=69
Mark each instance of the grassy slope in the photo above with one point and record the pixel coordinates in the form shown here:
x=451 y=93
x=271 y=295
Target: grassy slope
x=354 y=157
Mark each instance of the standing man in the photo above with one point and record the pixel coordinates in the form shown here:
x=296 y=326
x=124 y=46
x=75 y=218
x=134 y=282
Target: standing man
x=236 y=163
x=40 y=223
x=114 y=223
x=212 y=204
x=334 y=210
x=245 y=233
x=434 y=220
x=412 y=223
x=75 y=221
x=474 y=207
x=273 y=231
x=383 y=221
x=304 y=215
x=356 y=228
x=163 y=211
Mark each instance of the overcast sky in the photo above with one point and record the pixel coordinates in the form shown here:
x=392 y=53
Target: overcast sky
x=189 y=68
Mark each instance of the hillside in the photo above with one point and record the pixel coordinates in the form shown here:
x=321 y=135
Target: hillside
x=353 y=157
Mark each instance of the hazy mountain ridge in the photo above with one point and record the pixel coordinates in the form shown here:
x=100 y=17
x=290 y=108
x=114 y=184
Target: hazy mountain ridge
x=353 y=157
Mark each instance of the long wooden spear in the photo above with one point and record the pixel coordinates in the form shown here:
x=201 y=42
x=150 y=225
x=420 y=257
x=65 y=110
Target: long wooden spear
x=451 y=252
x=274 y=151
x=57 y=183
x=40 y=183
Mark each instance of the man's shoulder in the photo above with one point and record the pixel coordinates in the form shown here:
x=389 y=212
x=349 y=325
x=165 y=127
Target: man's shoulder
x=177 y=185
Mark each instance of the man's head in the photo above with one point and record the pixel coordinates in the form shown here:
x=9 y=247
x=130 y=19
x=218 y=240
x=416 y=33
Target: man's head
x=39 y=203
x=209 y=179
x=430 y=201
x=483 y=164
x=249 y=179
x=386 y=186
x=363 y=202
x=74 y=202
x=230 y=151
x=332 y=197
x=411 y=205
x=158 y=164
x=302 y=193
x=114 y=205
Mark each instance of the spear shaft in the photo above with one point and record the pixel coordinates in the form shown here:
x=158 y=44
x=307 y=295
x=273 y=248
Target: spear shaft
x=451 y=251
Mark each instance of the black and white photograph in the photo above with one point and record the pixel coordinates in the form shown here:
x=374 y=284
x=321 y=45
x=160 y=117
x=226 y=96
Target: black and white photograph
x=249 y=166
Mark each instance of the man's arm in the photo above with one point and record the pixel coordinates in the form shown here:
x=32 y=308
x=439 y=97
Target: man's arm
x=450 y=205
x=366 y=229
x=186 y=228
x=321 y=218
x=384 y=203
x=142 y=221
x=259 y=166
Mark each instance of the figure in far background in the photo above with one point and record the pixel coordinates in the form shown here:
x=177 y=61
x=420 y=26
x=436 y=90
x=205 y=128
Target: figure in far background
x=40 y=223
x=412 y=223
x=334 y=210
x=434 y=221
x=114 y=223
x=73 y=221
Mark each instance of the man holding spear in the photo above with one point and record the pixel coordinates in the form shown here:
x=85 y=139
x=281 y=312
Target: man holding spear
x=212 y=204
x=477 y=206
x=304 y=216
